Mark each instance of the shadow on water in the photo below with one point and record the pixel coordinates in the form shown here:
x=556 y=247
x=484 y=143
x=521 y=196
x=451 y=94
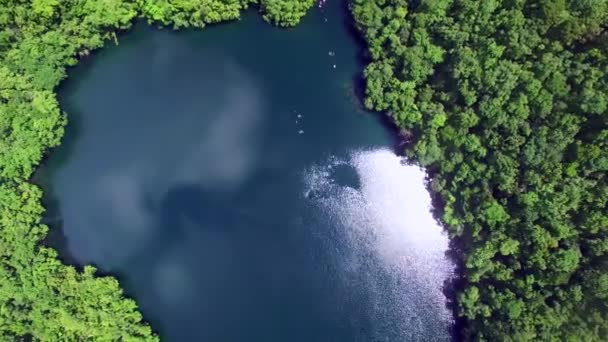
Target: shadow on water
x=452 y=287
x=52 y=217
x=455 y=254
x=359 y=84
x=56 y=237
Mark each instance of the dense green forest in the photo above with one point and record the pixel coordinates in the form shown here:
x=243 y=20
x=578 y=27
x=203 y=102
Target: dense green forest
x=505 y=103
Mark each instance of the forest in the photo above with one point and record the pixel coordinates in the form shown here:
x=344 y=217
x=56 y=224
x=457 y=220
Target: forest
x=504 y=102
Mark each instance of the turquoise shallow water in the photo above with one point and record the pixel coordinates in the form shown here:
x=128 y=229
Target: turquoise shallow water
x=211 y=171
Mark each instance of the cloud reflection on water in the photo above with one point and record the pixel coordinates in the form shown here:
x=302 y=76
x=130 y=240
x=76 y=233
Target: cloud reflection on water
x=213 y=147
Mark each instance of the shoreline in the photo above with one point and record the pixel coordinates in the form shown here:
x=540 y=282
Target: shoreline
x=399 y=142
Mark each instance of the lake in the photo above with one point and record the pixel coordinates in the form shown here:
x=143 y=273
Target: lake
x=232 y=182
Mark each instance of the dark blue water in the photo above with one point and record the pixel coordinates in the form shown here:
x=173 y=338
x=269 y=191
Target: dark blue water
x=183 y=172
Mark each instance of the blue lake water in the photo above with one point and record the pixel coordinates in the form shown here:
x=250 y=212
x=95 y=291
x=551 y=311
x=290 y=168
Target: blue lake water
x=231 y=181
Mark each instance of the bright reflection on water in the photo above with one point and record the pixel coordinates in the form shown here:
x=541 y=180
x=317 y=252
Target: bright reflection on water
x=239 y=192
x=384 y=239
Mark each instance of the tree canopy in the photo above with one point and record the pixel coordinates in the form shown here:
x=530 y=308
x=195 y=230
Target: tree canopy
x=507 y=105
x=507 y=102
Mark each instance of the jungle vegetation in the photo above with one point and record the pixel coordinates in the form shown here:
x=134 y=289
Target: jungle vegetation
x=504 y=102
